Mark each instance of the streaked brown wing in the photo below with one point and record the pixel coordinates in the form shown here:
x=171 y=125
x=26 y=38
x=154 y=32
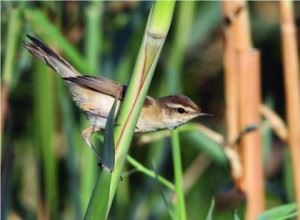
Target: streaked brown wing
x=104 y=85
x=100 y=84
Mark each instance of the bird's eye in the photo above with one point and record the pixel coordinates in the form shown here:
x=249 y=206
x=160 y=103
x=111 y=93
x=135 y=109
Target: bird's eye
x=180 y=110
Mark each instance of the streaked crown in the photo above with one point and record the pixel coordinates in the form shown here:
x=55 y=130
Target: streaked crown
x=178 y=102
x=178 y=110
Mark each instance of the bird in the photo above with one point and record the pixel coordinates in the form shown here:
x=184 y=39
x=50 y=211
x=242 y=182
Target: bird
x=95 y=95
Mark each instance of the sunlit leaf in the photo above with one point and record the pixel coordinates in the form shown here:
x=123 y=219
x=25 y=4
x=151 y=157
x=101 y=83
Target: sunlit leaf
x=279 y=213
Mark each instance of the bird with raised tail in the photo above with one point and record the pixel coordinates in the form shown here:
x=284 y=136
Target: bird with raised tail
x=95 y=96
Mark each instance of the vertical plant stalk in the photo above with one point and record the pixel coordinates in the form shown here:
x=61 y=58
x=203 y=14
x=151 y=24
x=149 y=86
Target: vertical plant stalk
x=93 y=40
x=10 y=52
x=45 y=105
x=249 y=69
x=93 y=18
x=155 y=34
x=176 y=54
x=98 y=204
x=180 y=203
x=292 y=89
x=173 y=69
x=242 y=66
x=231 y=77
x=231 y=89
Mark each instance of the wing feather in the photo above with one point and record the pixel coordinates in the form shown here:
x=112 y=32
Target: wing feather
x=99 y=84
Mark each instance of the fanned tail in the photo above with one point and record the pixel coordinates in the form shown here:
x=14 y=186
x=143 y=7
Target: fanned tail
x=48 y=56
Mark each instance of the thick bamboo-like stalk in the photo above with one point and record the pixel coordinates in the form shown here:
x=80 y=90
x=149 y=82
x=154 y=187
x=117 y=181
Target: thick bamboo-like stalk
x=242 y=103
x=231 y=78
x=253 y=184
x=231 y=85
x=292 y=87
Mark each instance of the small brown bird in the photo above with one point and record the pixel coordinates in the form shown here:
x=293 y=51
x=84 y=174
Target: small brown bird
x=95 y=96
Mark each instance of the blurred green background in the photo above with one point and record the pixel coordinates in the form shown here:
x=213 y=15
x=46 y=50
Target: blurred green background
x=47 y=171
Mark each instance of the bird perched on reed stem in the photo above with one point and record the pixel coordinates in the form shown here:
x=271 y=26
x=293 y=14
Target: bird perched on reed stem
x=95 y=95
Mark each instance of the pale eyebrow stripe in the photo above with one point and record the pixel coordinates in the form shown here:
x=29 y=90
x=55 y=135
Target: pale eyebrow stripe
x=179 y=106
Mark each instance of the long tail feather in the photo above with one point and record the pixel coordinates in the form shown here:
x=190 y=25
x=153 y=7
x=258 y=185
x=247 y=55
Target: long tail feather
x=48 y=56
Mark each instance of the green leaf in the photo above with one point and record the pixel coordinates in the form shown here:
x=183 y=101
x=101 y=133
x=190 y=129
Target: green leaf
x=108 y=155
x=208 y=146
x=236 y=216
x=280 y=213
x=163 y=196
x=141 y=168
x=13 y=32
x=211 y=210
x=98 y=205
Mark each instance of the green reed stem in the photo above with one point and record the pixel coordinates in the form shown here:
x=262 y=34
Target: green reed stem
x=11 y=44
x=150 y=173
x=45 y=105
x=180 y=204
x=156 y=31
x=92 y=48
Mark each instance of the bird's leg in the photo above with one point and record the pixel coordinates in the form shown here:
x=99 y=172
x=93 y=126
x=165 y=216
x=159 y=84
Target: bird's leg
x=86 y=134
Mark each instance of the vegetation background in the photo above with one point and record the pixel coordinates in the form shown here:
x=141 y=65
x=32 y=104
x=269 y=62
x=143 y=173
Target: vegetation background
x=47 y=171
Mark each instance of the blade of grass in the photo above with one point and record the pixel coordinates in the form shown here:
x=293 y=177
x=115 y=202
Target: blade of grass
x=180 y=203
x=14 y=23
x=163 y=196
x=211 y=210
x=93 y=39
x=99 y=202
x=286 y=211
x=92 y=49
x=173 y=70
x=205 y=139
x=45 y=130
x=108 y=160
x=13 y=31
x=150 y=173
x=236 y=216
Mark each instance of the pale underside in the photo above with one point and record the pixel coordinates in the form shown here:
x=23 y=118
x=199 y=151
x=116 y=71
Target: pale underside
x=97 y=106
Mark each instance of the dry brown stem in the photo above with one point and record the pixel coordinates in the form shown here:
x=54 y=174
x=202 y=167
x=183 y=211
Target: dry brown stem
x=292 y=90
x=4 y=101
x=231 y=75
x=277 y=124
x=249 y=69
x=242 y=104
x=194 y=171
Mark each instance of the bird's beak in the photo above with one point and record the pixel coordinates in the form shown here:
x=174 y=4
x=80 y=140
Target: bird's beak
x=198 y=114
